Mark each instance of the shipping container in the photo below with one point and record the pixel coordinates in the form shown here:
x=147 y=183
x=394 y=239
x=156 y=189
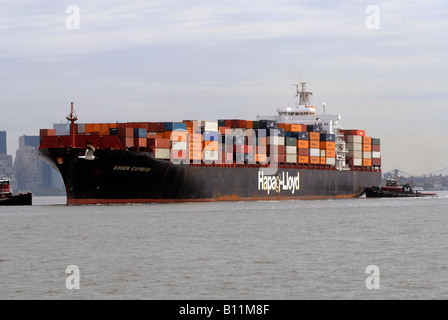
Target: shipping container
x=376 y=154
x=210 y=145
x=367 y=162
x=354 y=139
x=354 y=154
x=127 y=142
x=330 y=161
x=376 y=147
x=162 y=153
x=210 y=136
x=140 y=143
x=366 y=140
x=291 y=158
x=375 y=141
x=314 y=152
x=303 y=144
x=179 y=145
x=327 y=137
x=314 y=136
x=290 y=141
x=314 y=144
x=367 y=155
x=354 y=146
x=327 y=145
x=315 y=160
x=267 y=124
x=126 y=132
x=210 y=126
x=261 y=158
x=367 y=147
x=354 y=162
x=179 y=136
x=180 y=154
x=210 y=155
x=303 y=152
x=303 y=159
x=291 y=150
x=330 y=153
x=302 y=136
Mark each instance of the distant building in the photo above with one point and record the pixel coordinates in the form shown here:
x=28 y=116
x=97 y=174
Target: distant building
x=32 y=173
x=2 y=142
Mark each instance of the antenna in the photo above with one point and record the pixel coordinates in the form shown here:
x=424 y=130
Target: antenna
x=323 y=106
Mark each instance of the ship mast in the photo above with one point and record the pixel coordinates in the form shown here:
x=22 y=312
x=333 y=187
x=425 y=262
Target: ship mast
x=72 y=118
x=302 y=94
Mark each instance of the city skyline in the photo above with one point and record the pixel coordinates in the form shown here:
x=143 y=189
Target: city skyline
x=380 y=65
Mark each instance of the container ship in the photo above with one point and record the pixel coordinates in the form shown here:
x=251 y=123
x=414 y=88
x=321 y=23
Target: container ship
x=296 y=154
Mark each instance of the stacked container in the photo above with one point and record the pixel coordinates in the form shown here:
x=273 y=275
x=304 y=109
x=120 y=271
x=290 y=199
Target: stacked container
x=376 y=152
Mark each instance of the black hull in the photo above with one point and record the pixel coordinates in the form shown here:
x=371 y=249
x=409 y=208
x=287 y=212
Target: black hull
x=376 y=192
x=25 y=199
x=116 y=176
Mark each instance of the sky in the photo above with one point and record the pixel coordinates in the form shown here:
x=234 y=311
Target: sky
x=382 y=68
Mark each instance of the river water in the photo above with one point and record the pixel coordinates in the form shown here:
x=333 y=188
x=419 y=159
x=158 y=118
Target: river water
x=286 y=250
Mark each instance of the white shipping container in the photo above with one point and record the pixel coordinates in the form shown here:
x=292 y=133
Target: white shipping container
x=355 y=162
x=210 y=155
x=161 y=153
x=291 y=150
x=354 y=154
x=367 y=155
x=330 y=161
x=314 y=152
x=291 y=158
x=179 y=145
x=376 y=154
x=322 y=153
x=280 y=141
x=210 y=125
x=354 y=146
x=354 y=139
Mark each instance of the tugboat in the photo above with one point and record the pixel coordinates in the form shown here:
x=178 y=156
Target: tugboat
x=8 y=199
x=393 y=189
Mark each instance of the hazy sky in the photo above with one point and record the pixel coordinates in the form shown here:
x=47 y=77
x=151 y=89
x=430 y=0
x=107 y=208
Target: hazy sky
x=174 y=60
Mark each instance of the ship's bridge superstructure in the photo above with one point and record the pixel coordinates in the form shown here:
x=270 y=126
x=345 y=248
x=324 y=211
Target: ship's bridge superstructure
x=303 y=112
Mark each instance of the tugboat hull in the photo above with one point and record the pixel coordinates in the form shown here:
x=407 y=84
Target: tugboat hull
x=25 y=199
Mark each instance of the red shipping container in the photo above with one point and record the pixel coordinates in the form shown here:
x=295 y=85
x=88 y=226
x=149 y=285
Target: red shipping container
x=303 y=152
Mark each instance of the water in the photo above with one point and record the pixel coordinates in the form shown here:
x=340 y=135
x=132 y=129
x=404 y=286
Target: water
x=238 y=250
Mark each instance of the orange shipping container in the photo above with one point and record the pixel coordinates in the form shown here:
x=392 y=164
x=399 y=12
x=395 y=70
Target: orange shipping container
x=195 y=155
x=303 y=144
x=178 y=136
x=249 y=124
x=367 y=140
x=296 y=128
x=323 y=160
x=262 y=158
x=315 y=160
x=210 y=145
x=196 y=146
x=196 y=137
x=303 y=159
x=314 y=136
x=314 y=144
x=166 y=134
x=367 y=162
x=366 y=147
x=327 y=145
x=330 y=153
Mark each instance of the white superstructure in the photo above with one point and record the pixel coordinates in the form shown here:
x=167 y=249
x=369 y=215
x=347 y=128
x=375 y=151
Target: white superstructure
x=303 y=112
